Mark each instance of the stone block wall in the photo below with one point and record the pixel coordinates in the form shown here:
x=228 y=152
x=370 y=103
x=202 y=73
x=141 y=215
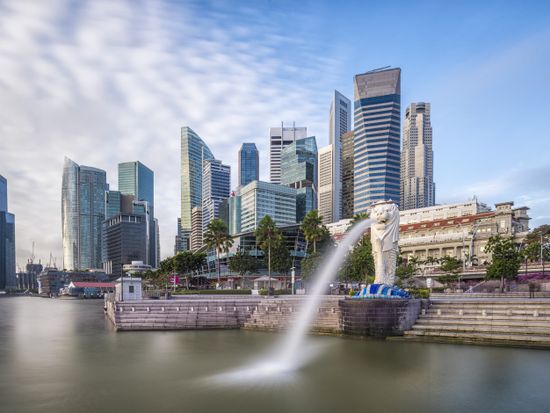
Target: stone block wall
x=378 y=317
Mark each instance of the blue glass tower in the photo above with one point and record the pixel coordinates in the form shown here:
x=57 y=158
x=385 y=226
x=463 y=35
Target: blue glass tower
x=82 y=215
x=299 y=171
x=136 y=179
x=249 y=164
x=7 y=240
x=377 y=142
x=216 y=184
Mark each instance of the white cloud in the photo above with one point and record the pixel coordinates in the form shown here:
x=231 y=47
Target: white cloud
x=114 y=81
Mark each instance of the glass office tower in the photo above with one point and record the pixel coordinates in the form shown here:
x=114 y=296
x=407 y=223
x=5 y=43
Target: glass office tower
x=377 y=145
x=193 y=152
x=8 y=279
x=249 y=164
x=299 y=171
x=82 y=215
x=216 y=185
x=137 y=180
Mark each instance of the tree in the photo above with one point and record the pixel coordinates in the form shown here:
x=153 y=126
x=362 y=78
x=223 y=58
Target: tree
x=267 y=234
x=531 y=252
x=310 y=264
x=451 y=267
x=505 y=261
x=281 y=261
x=217 y=238
x=242 y=262
x=406 y=270
x=313 y=228
x=359 y=263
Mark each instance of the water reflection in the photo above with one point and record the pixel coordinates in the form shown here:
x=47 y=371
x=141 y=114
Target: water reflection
x=61 y=356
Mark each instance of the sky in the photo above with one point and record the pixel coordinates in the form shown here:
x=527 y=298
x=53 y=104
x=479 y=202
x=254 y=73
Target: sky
x=105 y=82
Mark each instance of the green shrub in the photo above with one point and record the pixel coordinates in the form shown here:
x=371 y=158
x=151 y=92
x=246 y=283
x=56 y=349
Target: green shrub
x=419 y=292
x=277 y=292
x=213 y=292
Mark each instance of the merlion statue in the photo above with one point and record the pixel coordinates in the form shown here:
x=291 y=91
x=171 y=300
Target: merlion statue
x=384 y=235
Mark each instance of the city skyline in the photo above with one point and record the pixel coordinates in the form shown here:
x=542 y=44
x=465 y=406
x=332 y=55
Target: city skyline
x=74 y=112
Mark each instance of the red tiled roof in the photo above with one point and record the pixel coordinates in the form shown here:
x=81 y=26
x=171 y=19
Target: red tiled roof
x=83 y=284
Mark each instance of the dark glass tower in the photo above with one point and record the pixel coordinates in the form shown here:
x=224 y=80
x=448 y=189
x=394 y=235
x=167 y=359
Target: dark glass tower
x=249 y=164
x=7 y=240
x=377 y=142
x=299 y=171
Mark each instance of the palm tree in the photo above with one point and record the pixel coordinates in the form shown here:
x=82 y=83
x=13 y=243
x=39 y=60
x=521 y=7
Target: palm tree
x=216 y=237
x=267 y=235
x=313 y=228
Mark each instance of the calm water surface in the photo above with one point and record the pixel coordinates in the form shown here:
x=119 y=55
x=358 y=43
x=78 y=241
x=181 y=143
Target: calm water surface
x=63 y=356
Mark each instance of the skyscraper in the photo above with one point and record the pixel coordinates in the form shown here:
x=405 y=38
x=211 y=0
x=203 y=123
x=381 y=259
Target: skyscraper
x=417 y=185
x=137 y=180
x=125 y=240
x=299 y=171
x=216 y=185
x=339 y=123
x=8 y=279
x=193 y=152
x=249 y=164
x=82 y=215
x=196 y=229
x=258 y=199
x=134 y=178
x=347 y=174
x=327 y=185
x=377 y=149
x=280 y=138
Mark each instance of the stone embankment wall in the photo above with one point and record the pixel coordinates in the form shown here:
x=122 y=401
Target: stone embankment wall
x=276 y=314
x=379 y=317
x=333 y=315
x=188 y=314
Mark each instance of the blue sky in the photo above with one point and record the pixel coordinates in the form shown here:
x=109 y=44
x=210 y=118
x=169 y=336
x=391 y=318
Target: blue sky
x=105 y=82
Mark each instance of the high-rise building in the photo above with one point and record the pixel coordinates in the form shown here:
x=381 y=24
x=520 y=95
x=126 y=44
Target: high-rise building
x=339 y=117
x=216 y=185
x=8 y=280
x=377 y=149
x=134 y=178
x=196 y=228
x=417 y=185
x=82 y=215
x=327 y=185
x=193 y=153
x=299 y=171
x=125 y=239
x=249 y=164
x=181 y=242
x=137 y=180
x=280 y=138
x=347 y=174
x=339 y=124
x=258 y=199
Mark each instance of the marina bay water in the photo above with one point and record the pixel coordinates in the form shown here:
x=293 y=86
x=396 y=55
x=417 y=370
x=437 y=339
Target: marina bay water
x=63 y=356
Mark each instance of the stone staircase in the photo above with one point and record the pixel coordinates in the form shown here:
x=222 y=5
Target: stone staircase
x=494 y=321
x=276 y=314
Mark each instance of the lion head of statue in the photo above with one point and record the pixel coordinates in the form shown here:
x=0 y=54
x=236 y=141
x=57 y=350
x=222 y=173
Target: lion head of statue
x=384 y=212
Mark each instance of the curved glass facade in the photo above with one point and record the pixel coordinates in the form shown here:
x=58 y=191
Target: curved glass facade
x=193 y=152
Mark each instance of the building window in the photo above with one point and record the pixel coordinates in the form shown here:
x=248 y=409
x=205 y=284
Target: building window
x=131 y=289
